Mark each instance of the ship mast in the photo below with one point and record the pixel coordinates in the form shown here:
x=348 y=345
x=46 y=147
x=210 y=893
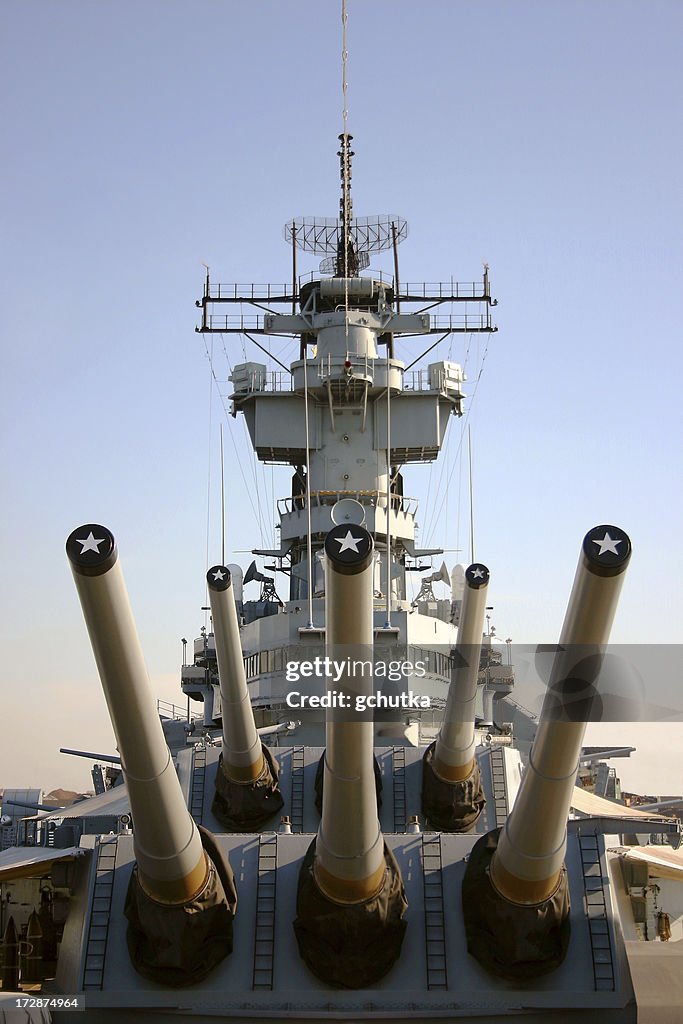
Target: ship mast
x=349 y=414
x=347 y=259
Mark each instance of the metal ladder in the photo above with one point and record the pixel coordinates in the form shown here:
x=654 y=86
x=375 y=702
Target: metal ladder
x=435 y=925
x=296 y=811
x=500 y=796
x=596 y=911
x=98 y=926
x=198 y=779
x=264 y=931
x=398 y=771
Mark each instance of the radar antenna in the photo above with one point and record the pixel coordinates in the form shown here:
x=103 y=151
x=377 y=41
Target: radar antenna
x=349 y=241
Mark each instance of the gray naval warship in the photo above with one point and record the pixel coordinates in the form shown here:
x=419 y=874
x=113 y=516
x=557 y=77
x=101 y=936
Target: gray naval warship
x=360 y=823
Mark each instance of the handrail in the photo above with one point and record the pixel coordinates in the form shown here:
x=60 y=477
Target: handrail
x=443 y=290
x=255 y=323
x=376 y=499
x=168 y=710
x=248 y=292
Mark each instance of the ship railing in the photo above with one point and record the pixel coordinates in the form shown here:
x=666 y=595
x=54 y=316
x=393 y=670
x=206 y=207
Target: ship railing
x=430 y=380
x=372 y=275
x=278 y=380
x=374 y=499
x=443 y=290
x=282 y=380
x=248 y=292
x=461 y=322
x=167 y=710
x=235 y=323
x=415 y=290
x=257 y=378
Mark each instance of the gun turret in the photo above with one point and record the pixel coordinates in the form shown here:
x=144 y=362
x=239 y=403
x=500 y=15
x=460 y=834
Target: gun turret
x=515 y=892
x=174 y=875
x=452 y=794
x=350 y=901
x=247 y=793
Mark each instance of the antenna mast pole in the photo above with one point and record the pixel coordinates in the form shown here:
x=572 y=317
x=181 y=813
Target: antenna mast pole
x=397 y=287
x=293 y=269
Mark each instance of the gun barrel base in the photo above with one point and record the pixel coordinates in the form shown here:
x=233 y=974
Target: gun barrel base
x=515 y=940
x=349 y=890
x=452 y=772
x=179 y=944
x=244 y=774
x=451 y=805
x=245 y=805
x=525 y=891
x=350 y=944
x=179 y=890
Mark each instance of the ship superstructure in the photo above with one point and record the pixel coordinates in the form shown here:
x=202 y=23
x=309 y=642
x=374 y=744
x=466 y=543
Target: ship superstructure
x=348 y=417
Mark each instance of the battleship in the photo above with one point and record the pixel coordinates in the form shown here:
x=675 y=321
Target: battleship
x=353 y=819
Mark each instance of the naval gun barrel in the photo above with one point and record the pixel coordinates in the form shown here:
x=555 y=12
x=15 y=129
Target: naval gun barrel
x=455 y=744
x=172 y=865
x=109 y=758
x=34 y=807
x=242 y=759
x=247 y=792
x=350 y=898
x=452 y=793
x=530 y=854
x=515 y=892
x=349 y=862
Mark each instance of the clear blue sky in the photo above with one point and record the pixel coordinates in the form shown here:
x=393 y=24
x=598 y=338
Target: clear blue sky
x=140 y=140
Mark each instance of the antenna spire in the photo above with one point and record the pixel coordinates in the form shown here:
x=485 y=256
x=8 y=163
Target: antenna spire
x=348 y=241
x=347 y=260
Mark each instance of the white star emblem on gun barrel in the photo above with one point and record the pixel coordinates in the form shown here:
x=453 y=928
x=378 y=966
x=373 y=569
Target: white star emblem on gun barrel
x=90 y=543
x=348 y=543
x=607 y=544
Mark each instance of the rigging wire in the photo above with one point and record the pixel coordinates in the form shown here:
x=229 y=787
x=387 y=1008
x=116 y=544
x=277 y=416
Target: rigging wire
x=457 y=529
x=238 y=457
x=309 y=542
x=465 y=422
x=253 y=464
x=446 y=463
x=208 y=476
x=345 y=163
x=423 y=354
x=430 y=511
